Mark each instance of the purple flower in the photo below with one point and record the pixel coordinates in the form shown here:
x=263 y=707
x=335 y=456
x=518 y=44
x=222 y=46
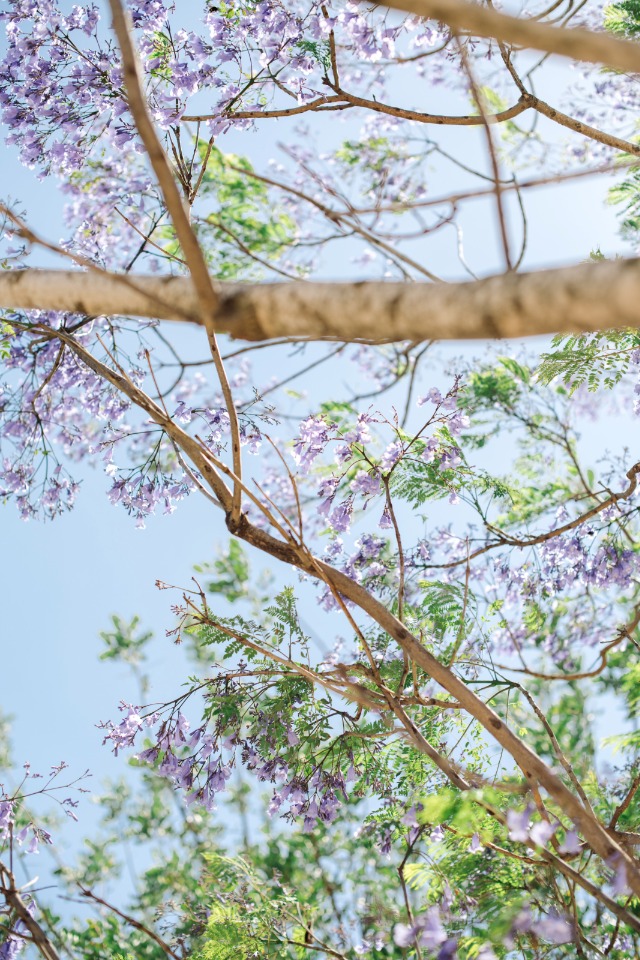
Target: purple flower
x=391 y=455
x=385 y=521
x=427 y=930
x=475 y=846
x=340 y=517
x=314 y=435
x=404 y=935
x=540 y=833
x=554 y=928
x=433 y=396
x=486 y=953
x=22 y=835
x=518 y=824
x=619 y=883
x=451 y=459
x=571 y=843
x=410 y=818
x=437 y=835
x=365 y=484
x=385 y=844
x=124 y=734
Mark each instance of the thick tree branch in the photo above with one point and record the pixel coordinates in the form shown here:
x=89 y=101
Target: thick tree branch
x=575 y=299
x=601 y=136
x=480 y=21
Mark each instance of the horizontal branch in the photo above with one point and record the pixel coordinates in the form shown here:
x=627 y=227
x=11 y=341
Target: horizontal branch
x=583 y=298
x=462 y=120
x=481 y=21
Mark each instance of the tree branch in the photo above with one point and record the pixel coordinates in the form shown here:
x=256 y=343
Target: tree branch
x=178 y=210
x=14 y=900
x=582 y=298
x=480 y=21
x=158 y=160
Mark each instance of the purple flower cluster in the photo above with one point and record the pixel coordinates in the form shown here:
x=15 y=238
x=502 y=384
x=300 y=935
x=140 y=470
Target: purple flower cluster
x=200 y=762
x=49 y=399
x=141 y=496
x=7 y=817
x=12 y=808
x=62 y=83
x=365 y=565
x=54 y=408
x=429 y=932
x=553 y=927
x=125 y=732
x=60 y=76
x=538 y=833
x=313 y=436
x=561 y=568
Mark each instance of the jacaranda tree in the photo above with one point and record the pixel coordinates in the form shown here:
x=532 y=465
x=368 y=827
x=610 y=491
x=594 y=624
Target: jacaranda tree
x=417 y=774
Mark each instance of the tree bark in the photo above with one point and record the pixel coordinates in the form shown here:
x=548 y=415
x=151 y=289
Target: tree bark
x=481 y=21
x=581 y=298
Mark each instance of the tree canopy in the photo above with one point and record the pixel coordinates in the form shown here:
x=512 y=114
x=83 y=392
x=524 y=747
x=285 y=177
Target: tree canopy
x=426 y=591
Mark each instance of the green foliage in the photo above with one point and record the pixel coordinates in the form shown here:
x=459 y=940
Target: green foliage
x=230 y=934
x=230 y=576
x=6 y=332
x=341 y=413
x=445 y=607
x=626 y=194
x=125 y=644
x=623 y=19
x=5 y=745
x=107 y=937
x=594 y=359
x=246 y=231
x=246 y=222
x=247 y=920
x=418 y=482
x=318 y=50
x=379 y=151
x=493 y=102
x=160 y=55
x=499 y=385
x=214 y=896
x=122 y=643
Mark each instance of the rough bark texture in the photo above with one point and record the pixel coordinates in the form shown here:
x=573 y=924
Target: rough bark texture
x=582 y=298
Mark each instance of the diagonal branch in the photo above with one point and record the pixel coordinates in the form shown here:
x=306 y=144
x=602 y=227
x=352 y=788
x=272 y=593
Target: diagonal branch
x=15 y=902
x=132 y=922
x=198 y=454
x=535 y=770
x=480 y=21
x=207 y=296
x=161 y=166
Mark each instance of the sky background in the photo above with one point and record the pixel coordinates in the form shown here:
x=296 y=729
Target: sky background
x=60 y=582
